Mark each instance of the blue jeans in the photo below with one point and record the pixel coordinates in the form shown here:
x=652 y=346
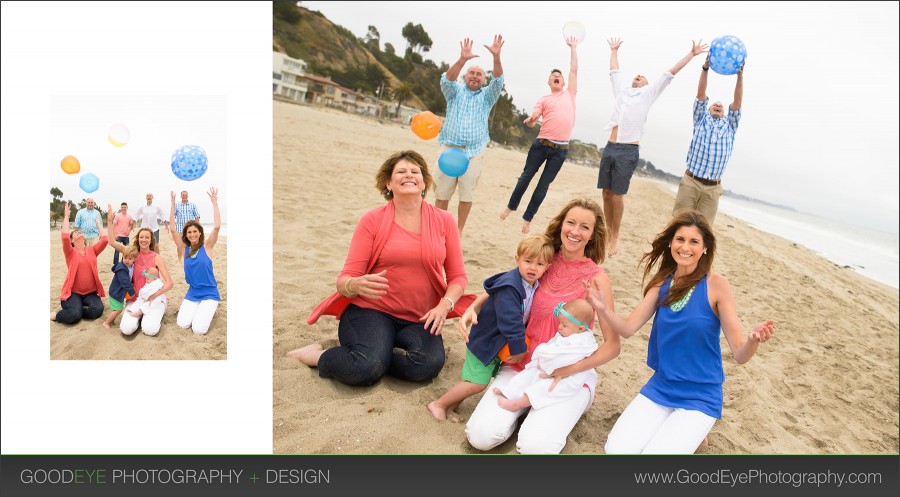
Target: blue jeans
x=368 y=338
x=79 y=306
x=537 y=154
x=124 y=241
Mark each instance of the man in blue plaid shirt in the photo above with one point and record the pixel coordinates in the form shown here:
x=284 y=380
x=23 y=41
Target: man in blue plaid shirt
x=184 y=212
x=710 y=149
x=466 y=124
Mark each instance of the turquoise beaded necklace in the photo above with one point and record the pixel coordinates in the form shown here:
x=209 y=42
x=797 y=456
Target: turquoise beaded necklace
x=677 y=306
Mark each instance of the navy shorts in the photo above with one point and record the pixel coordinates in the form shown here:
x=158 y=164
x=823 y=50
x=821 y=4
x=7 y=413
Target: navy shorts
x=617 y=166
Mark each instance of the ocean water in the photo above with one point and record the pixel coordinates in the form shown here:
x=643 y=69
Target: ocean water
x=869 y=252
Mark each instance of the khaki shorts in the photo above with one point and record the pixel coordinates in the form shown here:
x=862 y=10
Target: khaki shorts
x=446 y=185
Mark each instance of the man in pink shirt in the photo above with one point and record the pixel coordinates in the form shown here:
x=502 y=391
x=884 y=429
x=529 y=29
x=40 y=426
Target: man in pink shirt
x=123 y=224
x=552 y=144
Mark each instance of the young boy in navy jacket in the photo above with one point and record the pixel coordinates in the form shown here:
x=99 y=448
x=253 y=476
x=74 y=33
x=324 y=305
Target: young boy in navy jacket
x=501 y=322
x=121 y=288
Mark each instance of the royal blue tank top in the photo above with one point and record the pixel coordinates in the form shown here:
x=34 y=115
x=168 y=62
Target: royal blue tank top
x=685 y=353
x=198 y=272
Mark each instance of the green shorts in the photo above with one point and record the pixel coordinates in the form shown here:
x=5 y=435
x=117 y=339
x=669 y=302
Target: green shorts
x=115 y=305
x=474 y=371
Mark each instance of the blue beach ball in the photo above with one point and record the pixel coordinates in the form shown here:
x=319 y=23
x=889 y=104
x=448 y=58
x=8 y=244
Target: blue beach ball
x=727 y=54
x=453 y=162
x=189 y=162
x=89 y=182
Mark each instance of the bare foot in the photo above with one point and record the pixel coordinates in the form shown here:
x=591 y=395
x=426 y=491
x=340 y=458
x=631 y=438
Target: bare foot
x=497 y=391
x=509 y=405
x=613 y=247
x=437 y=411
x=106 y=325
x=526 y=227
x=505 y=212
x=308 y=355
x=52 y=316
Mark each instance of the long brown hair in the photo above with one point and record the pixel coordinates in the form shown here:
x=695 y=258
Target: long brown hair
x=660 y=253
x=596 y=246
x=184 y=237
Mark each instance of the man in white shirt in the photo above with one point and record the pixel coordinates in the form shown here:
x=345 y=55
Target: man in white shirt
x=150 y=215
x=620 y=156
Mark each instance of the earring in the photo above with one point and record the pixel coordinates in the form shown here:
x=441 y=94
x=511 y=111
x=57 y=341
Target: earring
x=389 y=193
x=704 y=252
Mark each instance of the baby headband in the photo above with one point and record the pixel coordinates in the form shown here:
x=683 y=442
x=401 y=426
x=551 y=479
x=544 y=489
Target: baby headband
x=559 y=309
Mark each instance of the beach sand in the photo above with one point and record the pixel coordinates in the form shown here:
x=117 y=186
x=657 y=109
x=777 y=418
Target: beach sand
x=827 y=383
x=88 y=339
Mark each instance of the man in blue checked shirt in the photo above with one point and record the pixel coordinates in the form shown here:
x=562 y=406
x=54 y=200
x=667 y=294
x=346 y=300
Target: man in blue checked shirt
x=710 y=149
x=466 y=124
x=184 y=212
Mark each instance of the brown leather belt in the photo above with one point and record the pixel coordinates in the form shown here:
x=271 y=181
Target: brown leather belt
x=707 y=182
x=548 y=143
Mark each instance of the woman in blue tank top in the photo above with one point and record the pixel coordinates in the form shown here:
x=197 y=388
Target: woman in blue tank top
x=682 y=400
x=202 y=298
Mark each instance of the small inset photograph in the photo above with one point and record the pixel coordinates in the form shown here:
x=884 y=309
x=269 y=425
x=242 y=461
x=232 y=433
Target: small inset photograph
x=138 y=227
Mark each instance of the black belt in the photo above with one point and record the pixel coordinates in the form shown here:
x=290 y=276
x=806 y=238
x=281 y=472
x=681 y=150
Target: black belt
x=707 y=182
x=548 y=143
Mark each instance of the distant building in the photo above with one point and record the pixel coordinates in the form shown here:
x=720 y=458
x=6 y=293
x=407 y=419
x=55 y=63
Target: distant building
x=358 y=102
x=287 y=77
x=321 y=91
x=406 y=113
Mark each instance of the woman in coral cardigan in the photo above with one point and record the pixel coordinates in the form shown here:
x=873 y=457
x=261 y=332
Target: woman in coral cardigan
x=392 y=297
x=82 y=289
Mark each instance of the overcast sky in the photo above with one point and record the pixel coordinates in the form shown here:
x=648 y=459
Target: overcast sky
x=158 y=125
x=819 y=130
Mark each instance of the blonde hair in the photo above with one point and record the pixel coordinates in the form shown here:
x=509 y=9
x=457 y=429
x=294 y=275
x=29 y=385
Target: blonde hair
x=596 y=246
x=130 y=252
x=536 y=247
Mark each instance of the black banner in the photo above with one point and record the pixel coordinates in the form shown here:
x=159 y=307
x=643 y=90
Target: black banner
x=435 y=476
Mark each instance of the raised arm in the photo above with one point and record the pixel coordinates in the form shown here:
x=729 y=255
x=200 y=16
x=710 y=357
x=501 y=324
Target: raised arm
x=573 y=63
x=65 y=224
x=704 y=77
x=494 y=49
x=698 y=48
x=465 y=53
x=217 y=221
x=723 y=299
x=176 y=237
x=614 y=44
x=738 y=89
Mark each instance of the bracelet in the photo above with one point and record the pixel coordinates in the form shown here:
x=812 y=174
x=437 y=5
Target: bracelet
x=448 y=299
x=347 y=288
x=705 y=69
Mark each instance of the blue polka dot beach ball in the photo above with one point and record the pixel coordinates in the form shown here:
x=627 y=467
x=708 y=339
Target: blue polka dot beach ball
x=727 y=54
x=189 y=162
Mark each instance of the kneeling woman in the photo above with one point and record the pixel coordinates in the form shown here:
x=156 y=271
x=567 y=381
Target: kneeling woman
x=679 y=405
x=202 y=298
x=392 y=296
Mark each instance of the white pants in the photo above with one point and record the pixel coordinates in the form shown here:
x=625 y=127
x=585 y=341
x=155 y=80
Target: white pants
x=646 y=427
x=149 y=322
x=197 y=315
x=544 y=431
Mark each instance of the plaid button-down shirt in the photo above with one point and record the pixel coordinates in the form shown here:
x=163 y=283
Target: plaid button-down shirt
x=466 y=123
x=712 y=142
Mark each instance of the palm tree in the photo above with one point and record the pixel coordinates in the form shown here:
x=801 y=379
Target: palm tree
x=402 y=93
